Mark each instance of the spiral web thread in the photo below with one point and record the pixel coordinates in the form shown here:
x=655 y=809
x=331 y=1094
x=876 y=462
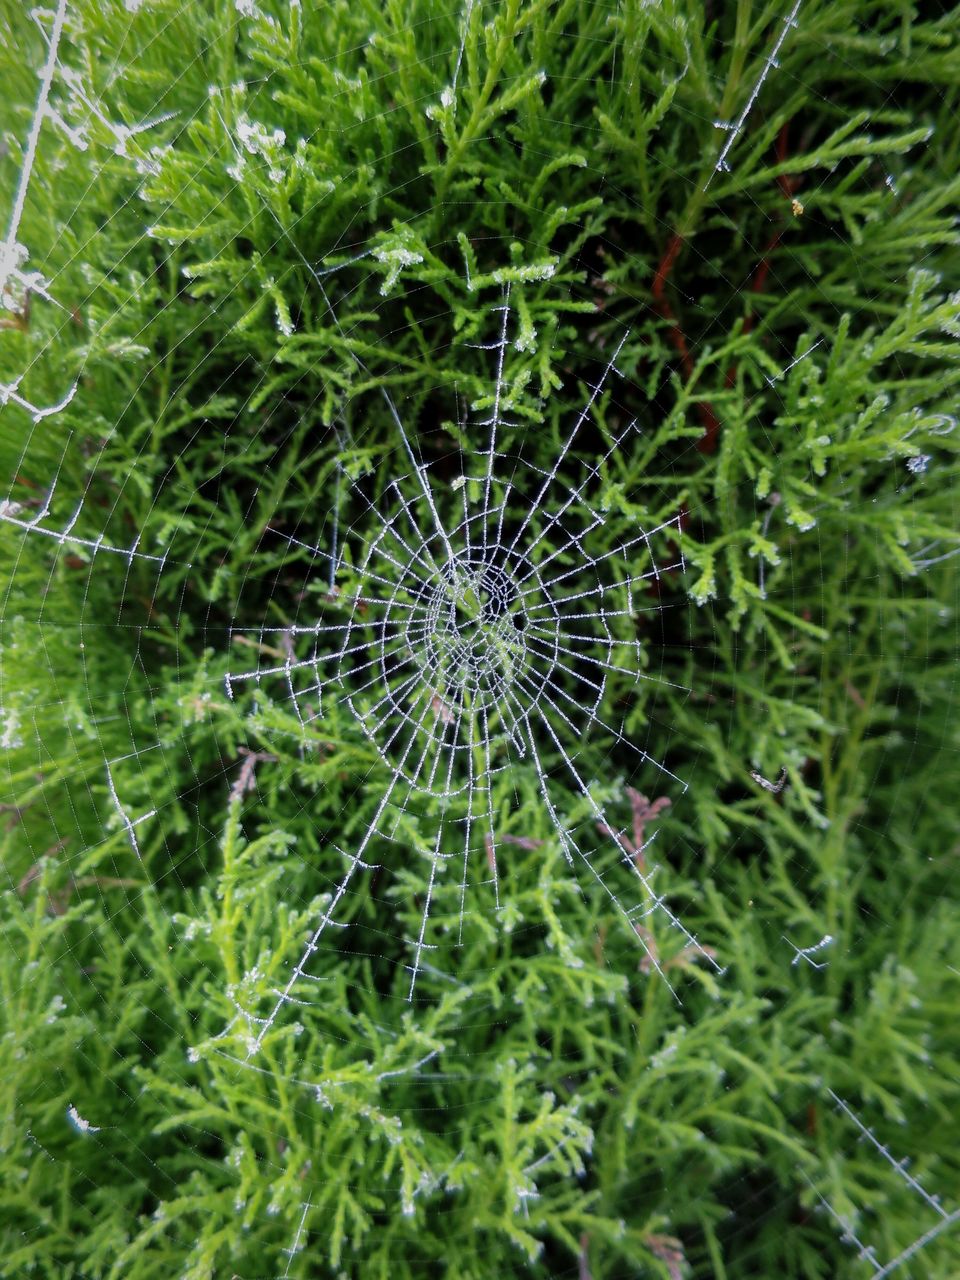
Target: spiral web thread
x=943 y=1220
x=472 y=645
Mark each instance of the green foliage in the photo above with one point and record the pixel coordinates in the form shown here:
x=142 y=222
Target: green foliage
x=273 y=217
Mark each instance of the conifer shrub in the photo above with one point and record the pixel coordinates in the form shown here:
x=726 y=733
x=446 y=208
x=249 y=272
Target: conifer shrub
x=662 y=978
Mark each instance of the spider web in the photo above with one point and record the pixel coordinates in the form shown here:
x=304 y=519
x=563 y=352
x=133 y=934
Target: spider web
x=472 y=620
x=471 y=639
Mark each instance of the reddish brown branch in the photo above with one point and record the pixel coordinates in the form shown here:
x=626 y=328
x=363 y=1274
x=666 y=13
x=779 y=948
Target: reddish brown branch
x=708 y=419
x=705 y=411
x=762 y=270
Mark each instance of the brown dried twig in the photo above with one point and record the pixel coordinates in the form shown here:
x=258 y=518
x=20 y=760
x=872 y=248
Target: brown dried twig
x=246 y=778
x=523 y=842
x=682 y=960
x=670 y=1251
x=644 y=811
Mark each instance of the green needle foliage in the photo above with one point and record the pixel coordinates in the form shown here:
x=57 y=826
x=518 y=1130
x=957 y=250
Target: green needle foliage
x=249 y=221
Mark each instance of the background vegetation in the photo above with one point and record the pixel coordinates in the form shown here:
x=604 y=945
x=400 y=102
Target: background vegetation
x=251 y=220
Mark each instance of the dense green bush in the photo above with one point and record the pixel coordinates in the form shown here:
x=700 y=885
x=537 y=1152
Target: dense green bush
x=248 y=233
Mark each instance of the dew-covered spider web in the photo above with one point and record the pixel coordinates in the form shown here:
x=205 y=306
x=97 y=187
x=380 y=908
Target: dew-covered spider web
x=478 y=602
x=479 y=633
